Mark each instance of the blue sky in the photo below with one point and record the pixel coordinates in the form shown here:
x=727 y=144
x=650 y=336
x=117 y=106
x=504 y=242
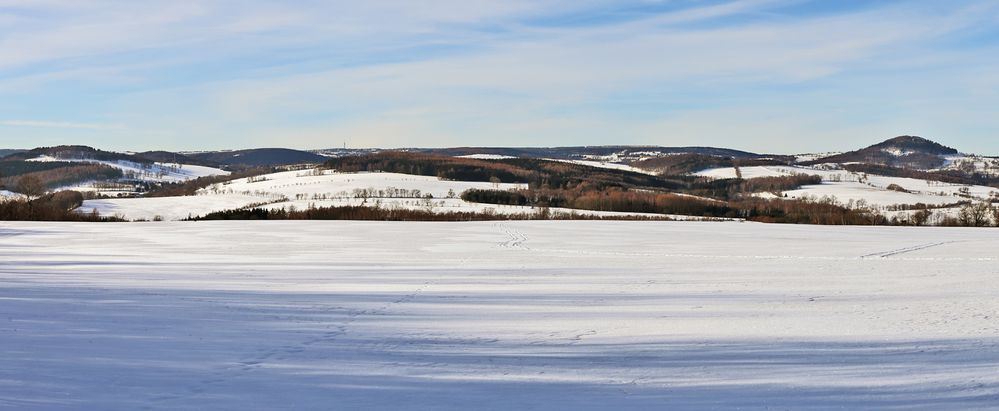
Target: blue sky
x=779 y=76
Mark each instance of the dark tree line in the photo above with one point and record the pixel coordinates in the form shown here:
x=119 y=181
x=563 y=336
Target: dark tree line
x=76 y=152
x=733 y=188
x=750 y=208
x=52 y=207
x=10 y=168
x=503 y=197
x=705 y=203
x=70 y=174
x=943 y=176
x=385 y=214
x=191 y=187
x=681 y=164
x=536 y=173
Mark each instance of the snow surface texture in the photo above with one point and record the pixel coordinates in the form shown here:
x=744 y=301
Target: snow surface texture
x=309 y=188
x=518 y=315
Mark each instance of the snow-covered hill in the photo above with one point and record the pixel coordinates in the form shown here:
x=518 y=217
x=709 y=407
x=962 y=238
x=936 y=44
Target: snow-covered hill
x=610 y=165
x=874 y=189
x=149 y=172
x=969 y=163
x=911 y=152
x=318 y=188
x=886 y=195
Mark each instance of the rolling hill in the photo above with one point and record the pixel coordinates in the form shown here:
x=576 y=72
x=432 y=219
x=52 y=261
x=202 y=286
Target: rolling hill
x=910 y=152
x=614 y=153
x=258 y=157
x=885 y=183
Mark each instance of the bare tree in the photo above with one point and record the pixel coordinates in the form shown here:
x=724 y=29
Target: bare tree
x=30 y=186
x=976 y=215
x=428 y=203
x=921 y=217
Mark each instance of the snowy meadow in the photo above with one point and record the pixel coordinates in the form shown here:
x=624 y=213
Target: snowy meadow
x=510 y=315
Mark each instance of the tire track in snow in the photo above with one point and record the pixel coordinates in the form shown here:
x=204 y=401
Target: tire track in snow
x=516 y=238
x=890 y=255
x=899 y=251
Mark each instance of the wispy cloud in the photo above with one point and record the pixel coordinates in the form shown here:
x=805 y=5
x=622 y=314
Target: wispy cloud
x=61 y=124
x=476 y=72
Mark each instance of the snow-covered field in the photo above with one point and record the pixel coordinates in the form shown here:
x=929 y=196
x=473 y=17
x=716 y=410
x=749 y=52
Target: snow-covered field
x=874 y=190
x=300 y=189
x=846 y=186
x=607 y=164
x=780 y=171
x=309 y=188
x=333 y=184
x=168 y=208
x=514 y=315
x=979 y=164
x=749 y=172
x=847 y=191
x=486 y=156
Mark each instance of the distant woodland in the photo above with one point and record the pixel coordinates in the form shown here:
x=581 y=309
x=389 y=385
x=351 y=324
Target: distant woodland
x=391 y=214
x=559 y=184
x=51 y=207
x=550 y=184
x=54 y=174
